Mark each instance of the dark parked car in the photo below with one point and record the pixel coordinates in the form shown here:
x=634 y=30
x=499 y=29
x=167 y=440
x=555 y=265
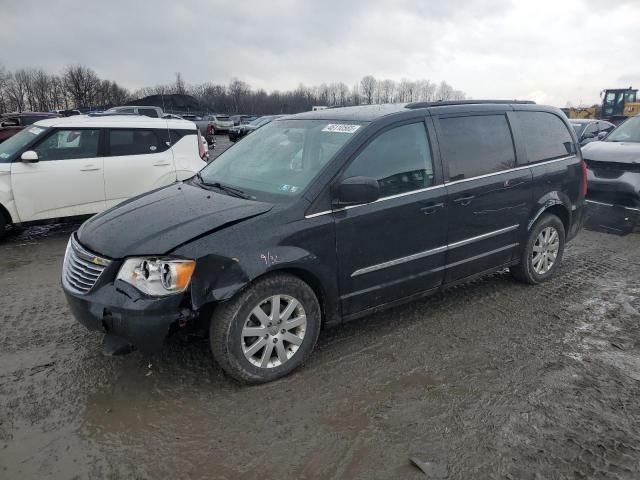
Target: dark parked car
x=588 y=130
x=327 y=216
x=12 y=123
x=242 y=119
x=614 y=179
x=236 y=133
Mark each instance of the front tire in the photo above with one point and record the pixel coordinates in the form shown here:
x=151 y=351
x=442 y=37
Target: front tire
x=267 y=331
x=543 y=251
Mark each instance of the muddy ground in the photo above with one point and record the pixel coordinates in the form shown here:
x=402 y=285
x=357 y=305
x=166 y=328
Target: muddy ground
x=489 y=380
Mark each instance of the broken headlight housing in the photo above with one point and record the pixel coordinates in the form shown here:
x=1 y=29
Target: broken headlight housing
x=157 y=276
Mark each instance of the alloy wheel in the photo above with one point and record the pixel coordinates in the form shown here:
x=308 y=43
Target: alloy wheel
x=273 y=331
x=545 y=250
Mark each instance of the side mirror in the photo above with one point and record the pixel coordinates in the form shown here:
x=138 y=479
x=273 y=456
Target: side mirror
x=601 y=135
x=357 y=191
x=29 y=157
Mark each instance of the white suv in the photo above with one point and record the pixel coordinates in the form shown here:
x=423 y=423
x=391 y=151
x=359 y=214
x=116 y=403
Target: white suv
x=82 y=165
x=221 y=123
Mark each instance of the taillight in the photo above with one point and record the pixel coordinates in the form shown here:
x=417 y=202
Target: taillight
x=584 y=178
x=201 y=149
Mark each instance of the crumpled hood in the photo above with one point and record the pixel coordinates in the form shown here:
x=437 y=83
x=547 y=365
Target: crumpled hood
x=620 y=152
x=157 y=222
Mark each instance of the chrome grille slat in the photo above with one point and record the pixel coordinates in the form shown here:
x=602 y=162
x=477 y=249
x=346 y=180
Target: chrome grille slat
x=76 y=280
x=81 y=269
x=80 y=275
x=86 y=264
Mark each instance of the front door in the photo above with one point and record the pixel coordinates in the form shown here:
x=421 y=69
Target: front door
x=66 y=180
x=137 y=161
x=394 y=247
x=488 y=198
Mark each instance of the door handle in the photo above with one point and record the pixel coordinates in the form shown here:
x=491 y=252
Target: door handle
x=89 y=168
x=161 y=164
x=464 y=201
x=431 y=208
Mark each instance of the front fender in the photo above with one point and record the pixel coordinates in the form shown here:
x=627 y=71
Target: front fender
x=219 y=278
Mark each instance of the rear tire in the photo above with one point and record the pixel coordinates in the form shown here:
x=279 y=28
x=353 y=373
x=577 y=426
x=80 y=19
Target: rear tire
x=543 y=251
x=3 y=226
x=267 y=331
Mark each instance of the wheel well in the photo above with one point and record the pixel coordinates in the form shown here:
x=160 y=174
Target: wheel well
x=562 y=213
x=310 y=280
x=5 y=214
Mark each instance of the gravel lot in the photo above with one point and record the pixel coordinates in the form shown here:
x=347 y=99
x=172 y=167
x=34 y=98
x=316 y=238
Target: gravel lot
x=492 y=379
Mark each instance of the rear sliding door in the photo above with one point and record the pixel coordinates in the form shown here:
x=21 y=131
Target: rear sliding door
x=488 y=198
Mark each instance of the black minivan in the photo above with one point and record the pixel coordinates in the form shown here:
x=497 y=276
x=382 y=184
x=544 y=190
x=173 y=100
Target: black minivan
x=327 y=216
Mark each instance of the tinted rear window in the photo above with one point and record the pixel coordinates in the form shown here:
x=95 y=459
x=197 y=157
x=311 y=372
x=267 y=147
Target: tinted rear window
x=149 y=112
x=544 y=136
x=137 y=142
x=476 y=145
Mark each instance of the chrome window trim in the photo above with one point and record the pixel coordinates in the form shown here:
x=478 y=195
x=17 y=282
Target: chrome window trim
x=445 y=184
x=515 y=169
x=433 y=251
x=381 y=199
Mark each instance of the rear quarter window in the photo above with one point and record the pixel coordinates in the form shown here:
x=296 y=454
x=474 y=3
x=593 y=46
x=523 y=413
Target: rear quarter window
x=124 y=142
x=476 y=145
x=544 y=136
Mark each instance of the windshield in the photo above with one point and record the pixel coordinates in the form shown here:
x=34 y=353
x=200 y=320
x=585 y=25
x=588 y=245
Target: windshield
x=577 y=127
x=629 y=131
x=258 y=121
x=222 y=119
x=280 y=159
x=11 y=146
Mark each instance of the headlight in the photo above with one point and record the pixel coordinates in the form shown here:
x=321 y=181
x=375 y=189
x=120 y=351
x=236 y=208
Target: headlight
x=157 y=276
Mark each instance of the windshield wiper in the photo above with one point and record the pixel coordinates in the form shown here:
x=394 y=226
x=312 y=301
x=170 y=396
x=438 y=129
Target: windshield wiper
x=236 y=192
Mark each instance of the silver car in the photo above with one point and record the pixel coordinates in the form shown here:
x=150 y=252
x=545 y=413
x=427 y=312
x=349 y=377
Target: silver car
x=222 y=123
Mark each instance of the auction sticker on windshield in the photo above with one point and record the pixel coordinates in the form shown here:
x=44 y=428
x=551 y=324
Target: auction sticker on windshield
x=340 y=128
x=36 y=130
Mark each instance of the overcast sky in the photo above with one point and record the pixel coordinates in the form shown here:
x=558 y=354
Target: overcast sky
x=552 y=51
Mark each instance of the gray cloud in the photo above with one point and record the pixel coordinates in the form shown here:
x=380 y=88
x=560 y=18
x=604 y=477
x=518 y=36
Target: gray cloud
x=552 y=51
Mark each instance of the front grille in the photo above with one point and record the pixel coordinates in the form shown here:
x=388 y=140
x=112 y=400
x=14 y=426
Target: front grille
x=81 y=269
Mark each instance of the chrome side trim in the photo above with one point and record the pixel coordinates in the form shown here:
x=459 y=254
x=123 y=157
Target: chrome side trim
x=600 y=203
x=633 y=209
x=485 y=254
x=433 y=270
x=390 y=197
x=482 y=237
x=433 y=251
x=398 y=261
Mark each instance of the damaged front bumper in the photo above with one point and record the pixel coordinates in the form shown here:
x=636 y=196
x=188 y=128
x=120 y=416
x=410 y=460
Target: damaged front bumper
x=138 y=321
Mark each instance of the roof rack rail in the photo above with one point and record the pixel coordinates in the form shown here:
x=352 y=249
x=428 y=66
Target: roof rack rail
x=113 y=114
x=447 y=103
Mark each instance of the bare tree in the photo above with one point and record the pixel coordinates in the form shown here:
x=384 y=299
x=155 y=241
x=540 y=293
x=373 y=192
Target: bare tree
x=444 y=92
x=81 y=84
x=367 y=88
x=238 y=89
x=179 y=87
x=16 y=93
